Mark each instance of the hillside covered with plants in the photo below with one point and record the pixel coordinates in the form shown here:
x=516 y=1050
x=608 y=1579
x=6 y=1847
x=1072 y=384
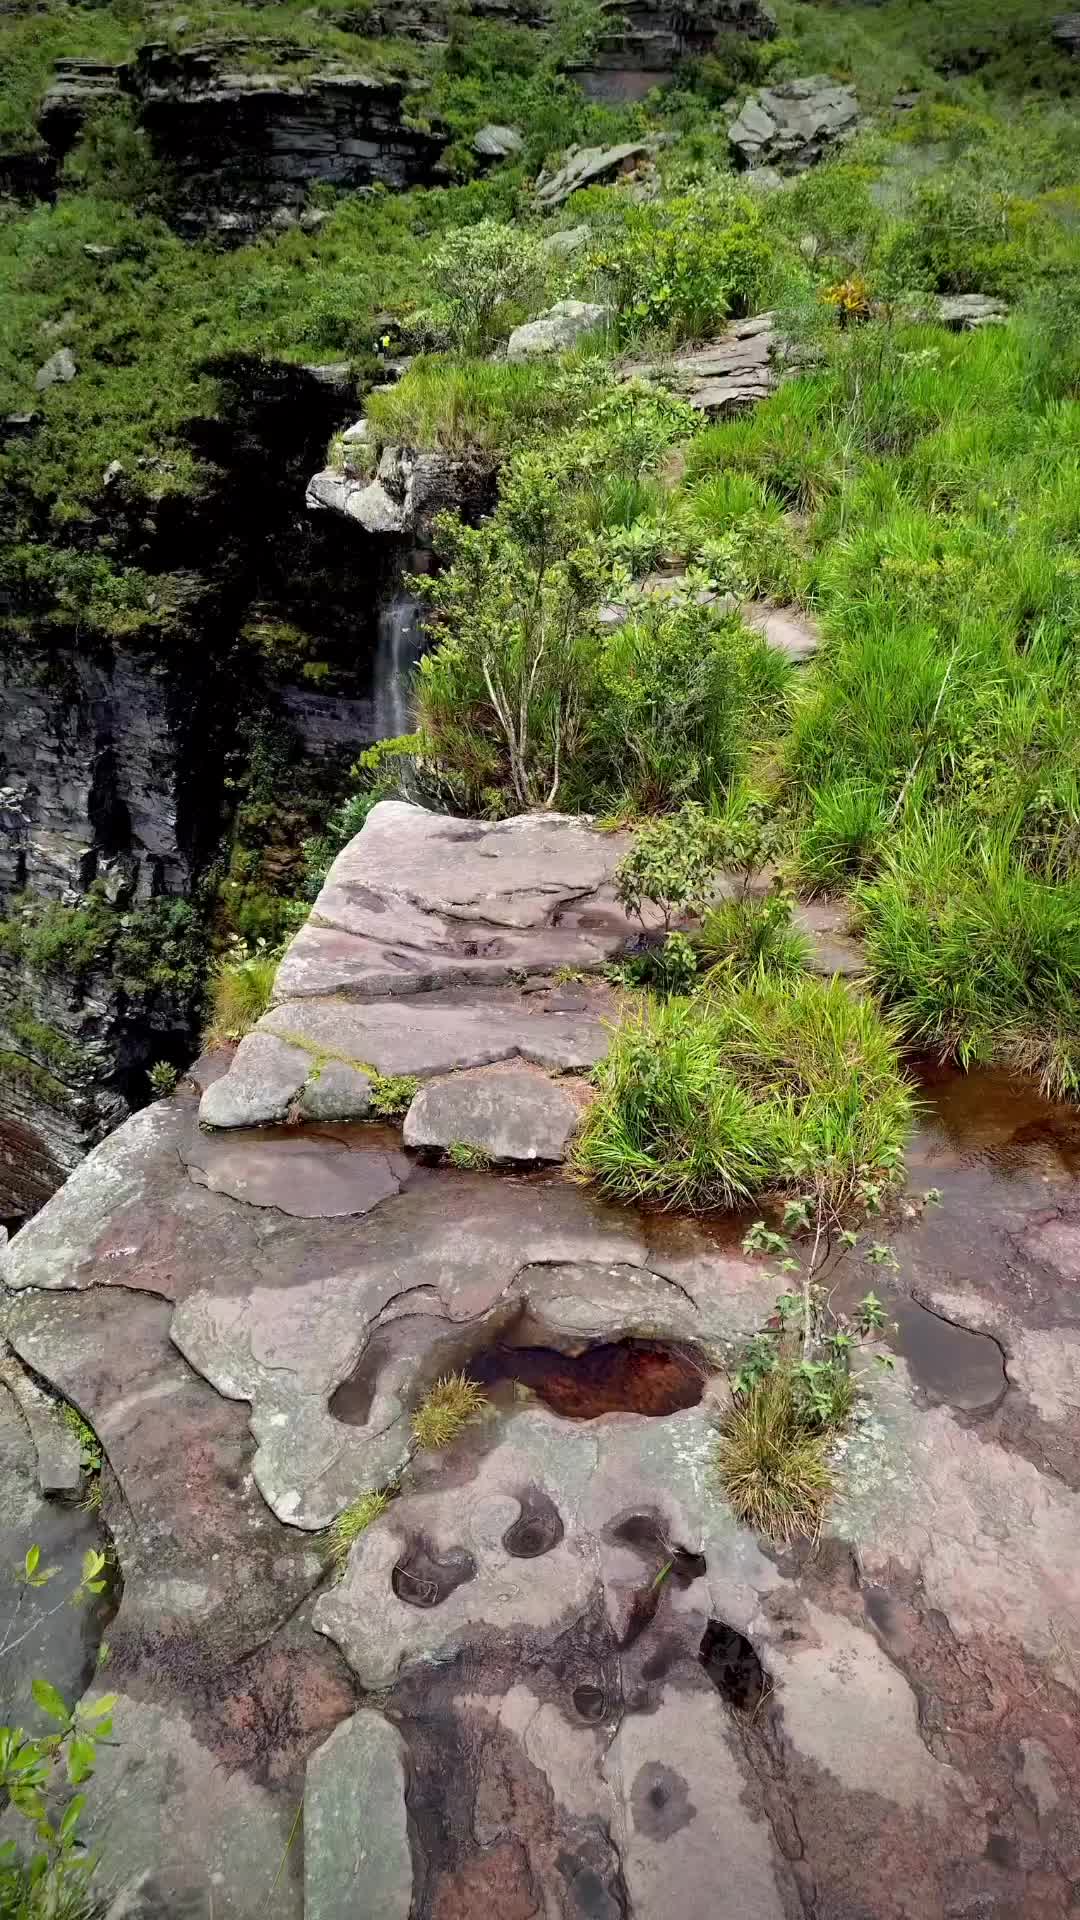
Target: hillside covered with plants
x=912 y=489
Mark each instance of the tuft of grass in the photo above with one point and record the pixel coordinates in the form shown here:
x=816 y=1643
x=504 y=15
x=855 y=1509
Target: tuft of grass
x=841 y=839
x=772 y=1467
x=751 y=938
x=745 y=1090
x=240 y=991
x=452 y=1403
x=469 y=1159
x=481 y=406
x=979 y=957
x=353 y=1521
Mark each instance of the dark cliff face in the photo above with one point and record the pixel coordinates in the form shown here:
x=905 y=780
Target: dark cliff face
x=130 y=775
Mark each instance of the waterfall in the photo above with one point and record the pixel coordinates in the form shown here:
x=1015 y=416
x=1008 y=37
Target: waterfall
x=399 y=646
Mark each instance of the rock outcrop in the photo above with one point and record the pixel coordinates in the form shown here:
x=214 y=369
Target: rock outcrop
x=726 y=375
x=794 y=124
x=555 y=1673
x=553 y=332
x=589 y=167
x=242 y=129
x=430 y=951
x=407 y=491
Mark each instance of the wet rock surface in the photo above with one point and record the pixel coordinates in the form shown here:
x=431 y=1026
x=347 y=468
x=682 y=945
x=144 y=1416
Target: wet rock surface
x=510 y=1117
x=560 y=1674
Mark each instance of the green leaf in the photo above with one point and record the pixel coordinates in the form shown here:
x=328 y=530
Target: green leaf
x=99 y=1707
x=72 y=1812
x=81 y=1757
x=33 y=1555
x=50 y=1701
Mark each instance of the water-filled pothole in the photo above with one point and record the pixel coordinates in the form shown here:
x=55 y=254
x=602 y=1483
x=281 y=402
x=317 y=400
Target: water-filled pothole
x=424 y=1578
x=650 y=1377
x=537 y=1529
x=729 y=1659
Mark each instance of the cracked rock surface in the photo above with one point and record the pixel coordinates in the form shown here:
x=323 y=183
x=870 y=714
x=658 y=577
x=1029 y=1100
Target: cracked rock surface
x=555 y=1678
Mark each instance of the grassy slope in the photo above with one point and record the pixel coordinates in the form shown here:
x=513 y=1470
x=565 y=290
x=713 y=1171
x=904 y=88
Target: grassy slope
x=920 y=491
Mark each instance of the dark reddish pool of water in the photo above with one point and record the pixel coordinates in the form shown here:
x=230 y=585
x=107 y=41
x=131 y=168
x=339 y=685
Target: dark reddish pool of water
x=652 y=1377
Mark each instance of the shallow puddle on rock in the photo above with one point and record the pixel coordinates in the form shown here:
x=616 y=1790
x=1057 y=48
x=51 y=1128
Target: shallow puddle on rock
x=993 y=1120
x=649 y=1377
x=732 y=1665
x=954 y=1365
x=311 y=1172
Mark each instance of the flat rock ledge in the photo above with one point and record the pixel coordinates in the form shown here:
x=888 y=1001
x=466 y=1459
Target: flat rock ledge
x=430 y=952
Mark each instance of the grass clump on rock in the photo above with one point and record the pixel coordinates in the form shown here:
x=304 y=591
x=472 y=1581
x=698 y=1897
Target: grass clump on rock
x=773 y=1468
x=751 y=1089
x=452 y=1403
x=353 y=1521
x=240 y=992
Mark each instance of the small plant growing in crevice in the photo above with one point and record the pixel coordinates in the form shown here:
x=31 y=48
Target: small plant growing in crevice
x=794 y=1389
x=452 y=1403
x=163 y=1078
x=393 y=1094
x=91 y=1455
x=354 y=1520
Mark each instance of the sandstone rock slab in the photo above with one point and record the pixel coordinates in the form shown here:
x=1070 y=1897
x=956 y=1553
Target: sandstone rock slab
x=311 y=1175
x=493 y=142
x=419 y=899
x=792 y=125
x=410 y=488
x=60 y=366
x=510 y=1116
x=967 y=312
x=356 y=1841
x=728 y=374
x=587 y=167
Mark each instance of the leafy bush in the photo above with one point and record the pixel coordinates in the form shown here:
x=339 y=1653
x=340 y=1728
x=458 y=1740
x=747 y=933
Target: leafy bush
x=480 y=271
x=672 y=865
x=778 y=1083
x=679 y=267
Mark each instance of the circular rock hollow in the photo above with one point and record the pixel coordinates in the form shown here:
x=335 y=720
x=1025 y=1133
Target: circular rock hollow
x=537 y=1529
x=424 y=1578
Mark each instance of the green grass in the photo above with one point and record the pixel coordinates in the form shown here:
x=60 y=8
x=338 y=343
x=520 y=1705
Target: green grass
x=355 y=1519
x=240 y=990
x=705 y=1102
x=452 y=1404
x=773 y=1469
x=979 y=957
x=746 y=939
x=461 y=406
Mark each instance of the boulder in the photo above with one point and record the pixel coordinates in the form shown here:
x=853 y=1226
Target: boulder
x=409 y=490
x=357 y=1857
x=497 y=143
x=567 y=241
x=552 y=332
x=792 y=125
x=1065 y=33
x=589 y=167
x=966 y=312
x=511 y=1116
x=59 y=366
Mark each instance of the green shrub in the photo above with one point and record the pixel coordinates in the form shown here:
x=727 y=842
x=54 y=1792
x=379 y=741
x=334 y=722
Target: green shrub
x=478 y=273
x=672 y=865
x=679 y=267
